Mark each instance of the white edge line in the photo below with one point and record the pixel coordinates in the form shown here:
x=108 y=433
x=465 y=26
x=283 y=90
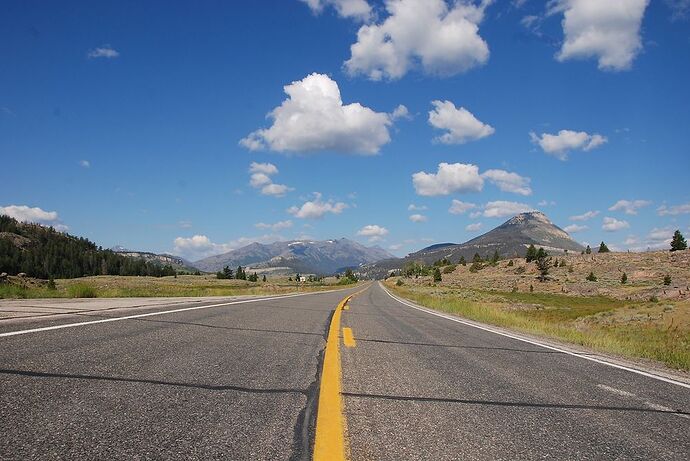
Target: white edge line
x=151 y=314
x=508 y=335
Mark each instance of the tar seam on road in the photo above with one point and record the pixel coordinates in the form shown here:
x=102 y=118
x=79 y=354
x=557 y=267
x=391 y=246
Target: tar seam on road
x=536 y=343
x=151 y=314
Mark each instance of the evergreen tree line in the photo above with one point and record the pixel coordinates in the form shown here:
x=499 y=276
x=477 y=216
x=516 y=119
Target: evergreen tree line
x=51 y=254
x=239 y=274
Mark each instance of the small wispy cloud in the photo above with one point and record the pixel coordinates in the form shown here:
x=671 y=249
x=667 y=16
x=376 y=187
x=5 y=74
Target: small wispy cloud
x=84 y=164
x=104 y=51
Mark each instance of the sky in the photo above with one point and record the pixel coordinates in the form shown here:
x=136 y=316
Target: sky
x=198 y=127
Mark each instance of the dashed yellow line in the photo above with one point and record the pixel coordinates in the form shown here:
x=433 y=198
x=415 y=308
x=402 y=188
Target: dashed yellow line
x=329 y=444
x=349 y=337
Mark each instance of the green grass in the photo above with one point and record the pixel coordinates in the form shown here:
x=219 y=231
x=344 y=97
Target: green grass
x=81 y=290
x=567 y=318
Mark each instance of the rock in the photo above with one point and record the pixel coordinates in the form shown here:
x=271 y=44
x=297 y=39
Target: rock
x=21 y=275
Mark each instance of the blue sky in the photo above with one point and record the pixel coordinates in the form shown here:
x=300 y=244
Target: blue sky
x=136 y=123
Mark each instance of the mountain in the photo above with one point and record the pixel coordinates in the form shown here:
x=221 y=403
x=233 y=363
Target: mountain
x=162 y=259
x=510 y=239
x=304 y=256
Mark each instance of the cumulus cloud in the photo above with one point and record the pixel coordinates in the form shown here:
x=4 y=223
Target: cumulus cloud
x=463 y=177
x=313 y=118
x=674 y=210
x=460 y=124
x=355 y=9
x=413 y=207
x=585 y=216
x=260 y=178
x=418 y=218
x=373 y=231
x=105 y=51
x=606 y=30
x=459 y=207
x=629 y=206
x=573 y=228
x=560 y=144
x=450 y=177
x=613 y=224
x=35 y=215
x=502 y=208
x=444 y=40
x=509 y=182
x=317 y=208
x=200 y=246
x=277 y=226
x=474 y=227
x=401 y=112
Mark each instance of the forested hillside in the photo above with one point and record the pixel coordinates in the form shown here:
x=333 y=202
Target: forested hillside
x=43 y=252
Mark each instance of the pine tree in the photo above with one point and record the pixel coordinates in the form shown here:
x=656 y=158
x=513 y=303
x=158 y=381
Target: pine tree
x=437 y=275
x=624 y=278
x=462 y=261
x=543 y=262
x=588 y=250
x=495 y=257
x=264 y=279
x=603 y=248
x=531 y=254
x=678 y=242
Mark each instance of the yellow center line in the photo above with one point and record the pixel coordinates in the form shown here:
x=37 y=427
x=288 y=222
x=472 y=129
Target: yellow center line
x=349 y=337
x=329 y=443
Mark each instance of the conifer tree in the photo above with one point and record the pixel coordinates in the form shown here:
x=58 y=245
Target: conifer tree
x=588 y=250
x=603 y=248
x=437 y=275
x=531 y=254
x=678 y=242
x=462 y=261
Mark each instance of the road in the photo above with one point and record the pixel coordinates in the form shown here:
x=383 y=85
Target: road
x=237 y=379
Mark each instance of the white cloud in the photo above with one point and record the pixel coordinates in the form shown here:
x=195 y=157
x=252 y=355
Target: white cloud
x=464 y=177
x=630 y=206
x=573 y=228
x=560 y=144
x=200 y=246
x=502 y=208
x=474 y=227
x=317 y=208
x=84 y=164
x=461 y=124
x=373 y=231
x=675 y=210
x=459 y=207
x=356 y=9
x=443 y=40
x=268 y=169
x=260 y=179
x=613 y=224
x=276 y=190
x=105 y=51
x=418 y=218
x=395 y=247
x=546 y=203
x=631 y=240
x=413 y=207
x=313 y=118
x=36 y=215
x=401 y=112
x=659 y=238
x=280 y=225
x=585 y=216
x=606 y=30
x=509 y=182
x=451 y=177
x=680 y=9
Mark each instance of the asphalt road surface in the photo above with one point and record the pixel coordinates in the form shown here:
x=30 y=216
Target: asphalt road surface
x=231 y=379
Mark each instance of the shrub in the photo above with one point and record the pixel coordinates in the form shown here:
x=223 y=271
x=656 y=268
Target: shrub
x=510 y=263
x=591 y=277
x=51 y=284
x=81 y=290
x=624 y=278
x=437 y=275
x=531 y=288
x=399 y=283
x=667 y=280
x=462 y=261
x=449 y=269
x=563 y=263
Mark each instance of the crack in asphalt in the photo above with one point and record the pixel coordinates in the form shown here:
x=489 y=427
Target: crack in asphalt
x=557 y=406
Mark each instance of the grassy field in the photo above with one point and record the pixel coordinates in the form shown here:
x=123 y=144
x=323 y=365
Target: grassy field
x=658 y=331
x=183 y=285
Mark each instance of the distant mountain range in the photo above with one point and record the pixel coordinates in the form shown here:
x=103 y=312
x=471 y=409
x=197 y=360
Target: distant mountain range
x=163 y=259
x=304 y=256
x=510 y=239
